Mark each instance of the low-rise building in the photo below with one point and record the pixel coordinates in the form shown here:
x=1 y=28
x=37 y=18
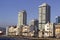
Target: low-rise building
x=57 y=30
x=11 y=30
x=40 y=33
x=26 y=31
x=34 y=27
x=49 y=30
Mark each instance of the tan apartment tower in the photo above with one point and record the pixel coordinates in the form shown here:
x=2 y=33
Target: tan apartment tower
x=22 y=18
x=44 y=15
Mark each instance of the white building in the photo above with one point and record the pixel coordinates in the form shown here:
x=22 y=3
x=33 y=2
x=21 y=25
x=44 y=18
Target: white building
x=49 y=30
x=44 y=15
x=12 y=30
x=25 y=30
x=22 y=18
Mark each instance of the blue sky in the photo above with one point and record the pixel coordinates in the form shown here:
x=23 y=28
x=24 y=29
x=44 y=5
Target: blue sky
x=9 y=10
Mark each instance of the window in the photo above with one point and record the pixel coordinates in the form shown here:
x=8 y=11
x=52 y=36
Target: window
x=43 y=10
x=40 y=10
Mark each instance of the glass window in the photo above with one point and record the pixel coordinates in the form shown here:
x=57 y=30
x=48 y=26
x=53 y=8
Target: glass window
x=44 y=10
x=40 y=10
x=43 y=17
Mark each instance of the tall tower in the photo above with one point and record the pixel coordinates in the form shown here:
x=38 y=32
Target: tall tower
x=22 y=18
x=44 y=15
x=57 y=19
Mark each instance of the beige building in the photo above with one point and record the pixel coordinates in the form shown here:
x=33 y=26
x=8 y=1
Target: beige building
x=12 y=30
x=57 y=30
x=26 y=31
x=41 y=33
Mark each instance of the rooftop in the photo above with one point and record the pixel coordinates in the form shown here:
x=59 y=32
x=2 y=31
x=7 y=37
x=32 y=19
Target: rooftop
x=44 y=4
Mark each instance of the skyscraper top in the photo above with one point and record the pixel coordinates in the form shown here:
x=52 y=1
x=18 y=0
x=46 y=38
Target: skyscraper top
x=21 y=11
x=34 y=19
x=44 y=4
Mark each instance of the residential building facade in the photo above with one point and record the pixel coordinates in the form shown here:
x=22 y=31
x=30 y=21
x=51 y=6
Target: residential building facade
x=34 y=26
x=57 y=30
x=49 y=30
x=22 y=18
x=26 y=31
x=44 y=15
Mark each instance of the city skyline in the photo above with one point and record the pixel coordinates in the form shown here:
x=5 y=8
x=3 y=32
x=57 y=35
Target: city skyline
x=9 y=10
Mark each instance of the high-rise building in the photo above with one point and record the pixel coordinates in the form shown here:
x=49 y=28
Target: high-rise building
x=58 y=19
x=34 y=22
x=22 y=18
x=44 y=15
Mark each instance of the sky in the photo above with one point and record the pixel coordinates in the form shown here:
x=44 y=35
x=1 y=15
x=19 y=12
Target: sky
x=9 y=10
